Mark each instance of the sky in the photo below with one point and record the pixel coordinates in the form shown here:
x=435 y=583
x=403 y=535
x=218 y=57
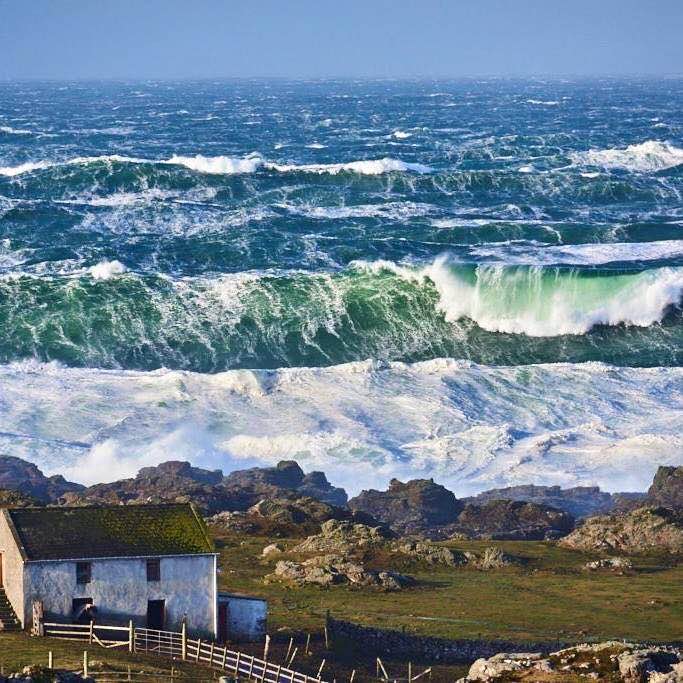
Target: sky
x=81 y=39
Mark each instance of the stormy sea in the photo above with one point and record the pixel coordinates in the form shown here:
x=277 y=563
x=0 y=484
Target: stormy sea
x=478 y=281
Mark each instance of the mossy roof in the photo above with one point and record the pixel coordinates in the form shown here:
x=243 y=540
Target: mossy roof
x=113 y=531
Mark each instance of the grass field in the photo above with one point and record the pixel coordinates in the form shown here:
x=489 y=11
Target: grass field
x=550 y=596
x=18 y=650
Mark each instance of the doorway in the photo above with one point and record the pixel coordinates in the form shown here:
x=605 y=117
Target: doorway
x=156 y=614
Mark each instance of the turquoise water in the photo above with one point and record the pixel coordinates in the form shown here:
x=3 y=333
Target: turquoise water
x=247 y=256
x=441 y=238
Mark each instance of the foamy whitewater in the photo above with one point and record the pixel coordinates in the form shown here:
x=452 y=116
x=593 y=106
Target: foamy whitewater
x=480 y=282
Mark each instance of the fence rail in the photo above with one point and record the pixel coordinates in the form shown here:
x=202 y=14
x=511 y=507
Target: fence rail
x=178 y=646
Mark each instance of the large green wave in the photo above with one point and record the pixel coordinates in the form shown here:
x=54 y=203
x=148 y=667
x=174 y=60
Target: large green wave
x=490 y=314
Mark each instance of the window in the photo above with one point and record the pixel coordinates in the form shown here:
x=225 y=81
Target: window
x=153 y=570
x=83 y=572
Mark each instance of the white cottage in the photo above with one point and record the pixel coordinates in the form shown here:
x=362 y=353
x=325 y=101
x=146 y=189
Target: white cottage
x=154 y=564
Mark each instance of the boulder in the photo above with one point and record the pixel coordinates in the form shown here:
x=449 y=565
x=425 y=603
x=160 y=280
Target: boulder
x=637 y=666
x=416 y=506
x=513 y=520
x=330 y=570
x=610 y=563
x=500 y=666
x=638 y=531
x=430 y=553
x=344 y=537
x=272 y=549
x=494 y=558
x=608 y=661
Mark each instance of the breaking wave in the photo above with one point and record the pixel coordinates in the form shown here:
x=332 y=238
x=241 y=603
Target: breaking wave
x=225 y=165
x=469 y=426
x=646 y=157
x=489 y=313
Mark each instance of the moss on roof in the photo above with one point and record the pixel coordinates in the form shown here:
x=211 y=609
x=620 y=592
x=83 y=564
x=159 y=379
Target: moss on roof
x=115 y=531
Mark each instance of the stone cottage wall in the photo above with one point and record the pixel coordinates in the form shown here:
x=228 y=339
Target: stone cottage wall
x=120 y=590
x=12 y=568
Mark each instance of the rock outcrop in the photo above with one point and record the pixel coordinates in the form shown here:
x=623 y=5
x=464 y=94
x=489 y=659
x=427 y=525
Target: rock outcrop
x=16 y=499
x=330 y=570
x=22 y=476
x=417 y=506
x=292 y=517
x=287 y=476
x=430 y=553
x=513 y=520
x=344 y=537
x=579 y=501
x=641 y=530
x=170 y=482
x=179 y=481
x=614 y=563
x=608 y=661
x=667 y=488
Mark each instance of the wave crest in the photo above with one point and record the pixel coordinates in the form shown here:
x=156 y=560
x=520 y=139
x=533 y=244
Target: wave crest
x=646 y=157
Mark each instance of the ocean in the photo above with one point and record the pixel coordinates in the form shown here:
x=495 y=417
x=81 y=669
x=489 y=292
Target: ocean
x=479 y=281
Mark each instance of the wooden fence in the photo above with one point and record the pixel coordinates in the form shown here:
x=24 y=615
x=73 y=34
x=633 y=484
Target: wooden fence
x=177 y=645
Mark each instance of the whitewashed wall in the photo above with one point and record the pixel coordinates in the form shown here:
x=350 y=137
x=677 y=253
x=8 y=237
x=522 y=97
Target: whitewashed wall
x=120 y=590
x=12 y=569
x=247 y=617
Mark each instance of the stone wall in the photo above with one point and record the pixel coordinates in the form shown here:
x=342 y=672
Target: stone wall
x=427 y=649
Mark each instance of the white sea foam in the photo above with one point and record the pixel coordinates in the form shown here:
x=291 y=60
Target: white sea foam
x=469 y=426
x=105 y=270
x=230 y=165
x=546 y=103
x=220 y=164
x=9 y=130
x=579 y=254
x=645 y=157
x=367 y=167
x=401 y=134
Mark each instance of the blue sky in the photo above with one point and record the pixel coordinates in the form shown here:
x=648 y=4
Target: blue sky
x=325 y=38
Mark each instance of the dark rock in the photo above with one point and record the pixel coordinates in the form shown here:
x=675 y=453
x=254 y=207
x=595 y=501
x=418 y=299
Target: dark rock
x=513 y=520
x=417 y=506
x=22 y=476
x=288 y=476
x=667 y=488
x=16 y=499
x=170 y=482
x=580 y=501
x=178 y=481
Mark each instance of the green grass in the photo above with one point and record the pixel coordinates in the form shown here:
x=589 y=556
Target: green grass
x=548 y=597
x=18 y=650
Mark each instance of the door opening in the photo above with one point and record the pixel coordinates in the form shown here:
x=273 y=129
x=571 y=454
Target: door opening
x=156 y=614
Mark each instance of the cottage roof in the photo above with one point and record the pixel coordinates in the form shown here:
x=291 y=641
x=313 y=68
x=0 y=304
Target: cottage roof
x=60 y=533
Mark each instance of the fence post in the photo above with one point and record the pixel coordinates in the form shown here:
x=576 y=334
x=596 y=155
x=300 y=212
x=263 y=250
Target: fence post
x=183 y=640
x=237 y=663
x=410 y=672
x=90 y=632
x=85 y=664
x=320 y=670
x=308 y=644
x=353 y=675
x=211 y=653
x=266 y=647
x=131 y=636
x=199 y=647
x=50 y=660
